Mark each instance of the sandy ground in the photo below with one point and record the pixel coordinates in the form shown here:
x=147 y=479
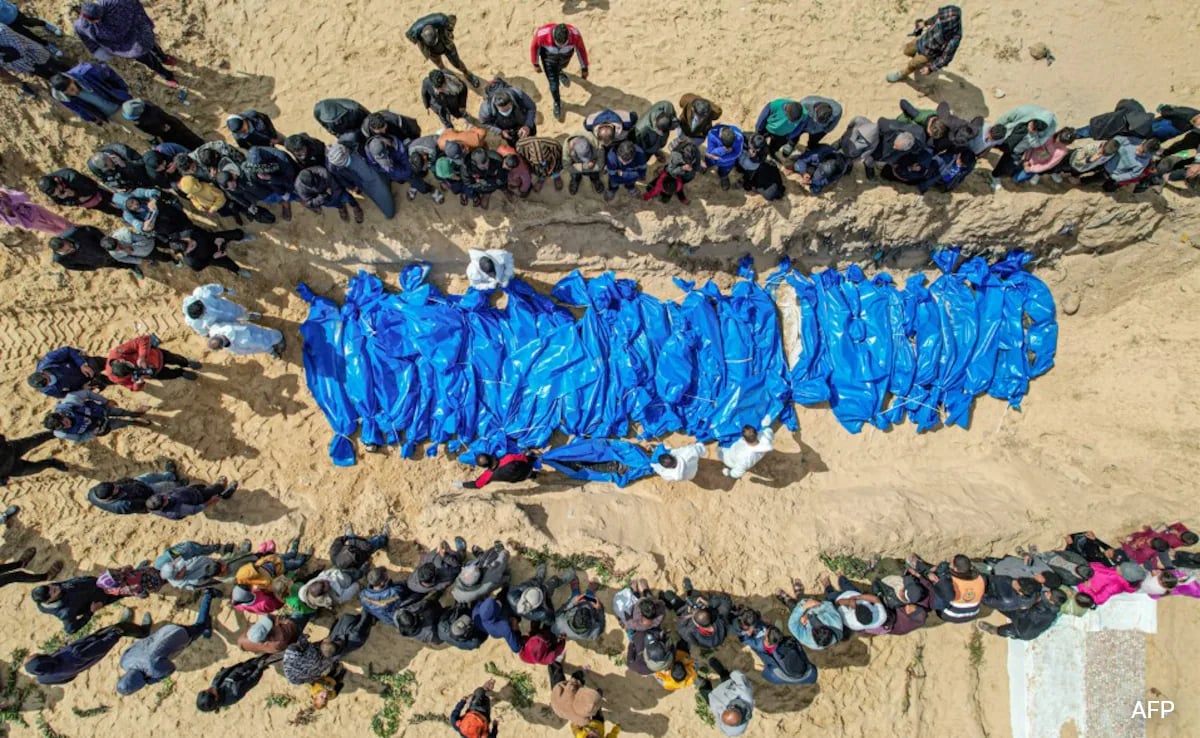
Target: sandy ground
x=1107 y=440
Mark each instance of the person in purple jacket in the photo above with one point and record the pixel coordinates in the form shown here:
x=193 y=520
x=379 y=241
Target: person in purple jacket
x=76 y=657
x=111 y=28
x=94 y=92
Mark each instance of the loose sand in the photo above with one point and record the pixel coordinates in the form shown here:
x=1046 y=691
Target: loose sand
x=1107 y=440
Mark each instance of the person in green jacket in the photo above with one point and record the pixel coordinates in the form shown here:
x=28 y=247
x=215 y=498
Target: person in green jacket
x=781 y=121
x=653 y=130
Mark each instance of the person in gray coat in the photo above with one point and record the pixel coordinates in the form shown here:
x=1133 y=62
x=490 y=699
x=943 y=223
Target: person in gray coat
x=731 y=701
x=150 y=660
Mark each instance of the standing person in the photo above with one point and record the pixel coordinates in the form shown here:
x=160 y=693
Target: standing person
x=782 y=121
x=94 y=92
x=111 y=28
x=572 y=700
x=1026 y=127
x=21 y=55
x=18 y=211
x=11 y=463
x=759 y=173
x=444 y=94
x=78 y=249
x=119 y=167
x=519 y=175
x=75 y=189
x=509 y=113
x=684 y=163
x=341 y=116
x=183 y=502
x=434 y=36
x=609 y=126
x=584 y=158
x=131 y=363
x=201 y=249
x=73 y=601
x=935 y=45
x=731 y=701
x=148 y=212
x=159 y=124
x=68 y=662
x=483 y=175
x=252 y=128
x=511 y=468
x=697 y=115
x=317 y=187
x=580 y=618
x=353 y=172
x=653 y=130
x=722 y=149
x=306 y=150
x=67 y=369
x=11 y=16
x=552 y=48
x=748 y=450
x=472 y=716
x=206 y=307
x=821 y=116
x=680 y=464
x=545 y=159
x=1131 y=163
x=150 y=660
x=274 y=172
x=626 y=166
x=232 y=683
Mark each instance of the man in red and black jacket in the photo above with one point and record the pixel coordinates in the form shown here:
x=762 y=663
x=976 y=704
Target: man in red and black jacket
x=139 y=359
x=552 y=48
x=508 y=468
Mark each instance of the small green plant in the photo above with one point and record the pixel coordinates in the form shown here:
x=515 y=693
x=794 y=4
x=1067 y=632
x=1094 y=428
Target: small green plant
x=603 y=565
x=975 y=649
x=399 y=692
x=278 y=699
x=90 y=712
x=15 y=690
x=521 y=683
x=306 y=716
x=847 y=565
x=618 y=659
x=44 y=729
x=703 y=712
x=166 y=688
x=428 y=717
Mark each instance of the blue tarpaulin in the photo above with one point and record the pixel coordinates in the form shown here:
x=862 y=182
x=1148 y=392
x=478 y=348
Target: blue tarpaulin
x=598 y=360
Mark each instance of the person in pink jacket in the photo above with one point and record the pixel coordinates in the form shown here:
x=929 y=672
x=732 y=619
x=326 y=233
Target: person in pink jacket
x=255 y=601
x=1106 y=582
x=18 y=211
x=1046 y=158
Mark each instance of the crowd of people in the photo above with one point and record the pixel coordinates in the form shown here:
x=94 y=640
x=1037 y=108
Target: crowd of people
x=461 y=596
x=649 y=154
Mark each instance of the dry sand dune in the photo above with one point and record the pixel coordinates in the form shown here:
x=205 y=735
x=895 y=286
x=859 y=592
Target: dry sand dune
x=1107 y=440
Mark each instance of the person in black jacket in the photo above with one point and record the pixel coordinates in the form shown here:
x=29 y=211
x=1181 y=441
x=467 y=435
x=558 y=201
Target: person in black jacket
x=445 y=95
x=1030 y=623
x=434 y=36
x=306 y=150
x=76 y=657
x=128 y=496
x=11 y=463
x=232 y=683
x=159 y=124
x=202 y=248
x=73 y=601
x=510 y=468
x=73 y=188
x=252 y=128
x=119 y=167
x=78 y=249
x=484 y=174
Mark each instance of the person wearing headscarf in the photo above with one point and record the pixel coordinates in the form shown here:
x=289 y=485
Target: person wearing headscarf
x=353 y=172
x=159 y=124
x=433 y=34
x=252 y=128
x=545 y=158
x=72 y=188
x=509 y=113
x=552 y=48
x=18 y=211
x=94 y=92
x=21 y=55
x=111 y=28
x=444 y=94
x=935 y=44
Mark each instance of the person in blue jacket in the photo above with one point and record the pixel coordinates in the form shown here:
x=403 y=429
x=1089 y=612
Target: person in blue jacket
x=722 y=148
x=382 y=598
x=67 y=369
x=492 y=616
x=820 y=166
x=626 y=165
x=91 y=90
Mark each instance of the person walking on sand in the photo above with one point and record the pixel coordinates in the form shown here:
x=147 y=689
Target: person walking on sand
x=434 y=36
x=552 y=48
x=111 y=28
x=472 y=716
x=85 y=415
x=743 y=454
x=935 y=45
x=444 y=94
x=133 y=362
x=93 y=92
x=680 y=464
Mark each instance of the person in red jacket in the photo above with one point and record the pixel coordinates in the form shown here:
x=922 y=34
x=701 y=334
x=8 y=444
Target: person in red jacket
x=510 y=468
x=552 y=48
x=135 y=361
